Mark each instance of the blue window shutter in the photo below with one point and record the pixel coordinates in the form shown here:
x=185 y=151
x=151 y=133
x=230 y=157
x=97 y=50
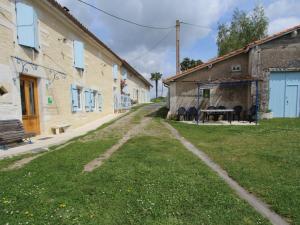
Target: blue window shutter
x=74 y=94
x=100 y=103
x=78 y=54
x=27 y=26
x=87 y=96
x=115 y=71
x=36 y=31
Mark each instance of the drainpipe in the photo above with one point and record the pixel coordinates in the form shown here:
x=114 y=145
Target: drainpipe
x=198 y=102
x=257 y=101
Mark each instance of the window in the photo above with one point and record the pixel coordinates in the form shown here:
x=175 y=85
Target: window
x=124 y=73
x=206 y=93
x=76 y=102
x=115 y=71
x=100 y=102
x=27 y=26
x=236 y=68
x=79 y=97
x=79 y=55
x=93 y=100
x=88 y=100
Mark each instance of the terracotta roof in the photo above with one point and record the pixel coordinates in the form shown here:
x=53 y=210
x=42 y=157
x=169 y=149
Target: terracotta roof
x=232 y=54
x=55 y=4
x=128 y=66
x=224 y=80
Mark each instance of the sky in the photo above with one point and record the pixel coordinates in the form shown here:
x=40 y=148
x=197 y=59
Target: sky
x=138 y=45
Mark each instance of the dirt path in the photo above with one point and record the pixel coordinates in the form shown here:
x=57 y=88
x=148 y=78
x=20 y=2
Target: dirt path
x=129 y=127
x=255 y=202
x=20 y=163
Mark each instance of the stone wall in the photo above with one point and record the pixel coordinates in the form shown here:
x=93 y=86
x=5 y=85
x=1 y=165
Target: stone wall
x=183 y=92
x=281 y=54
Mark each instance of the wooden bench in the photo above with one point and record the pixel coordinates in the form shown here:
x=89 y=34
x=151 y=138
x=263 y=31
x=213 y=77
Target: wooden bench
x=12 y=131
x=60 y=128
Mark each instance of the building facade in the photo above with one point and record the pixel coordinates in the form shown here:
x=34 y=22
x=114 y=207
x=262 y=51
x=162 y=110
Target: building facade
x=53 y=70
x=266 y=74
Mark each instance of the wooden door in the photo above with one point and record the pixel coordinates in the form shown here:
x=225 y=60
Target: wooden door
x=29 y=102
x=291 y=102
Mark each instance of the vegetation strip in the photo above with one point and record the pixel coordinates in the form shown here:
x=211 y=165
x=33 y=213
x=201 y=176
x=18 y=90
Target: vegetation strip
x=256 y=203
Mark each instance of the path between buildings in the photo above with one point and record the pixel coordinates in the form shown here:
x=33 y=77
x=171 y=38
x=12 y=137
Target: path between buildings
x=256 y=203
x=130 y=134
x=124 y=129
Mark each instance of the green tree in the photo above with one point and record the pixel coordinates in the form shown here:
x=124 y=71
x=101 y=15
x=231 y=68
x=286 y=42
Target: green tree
x=243 y=29
x=156 y=77
x=188 y=63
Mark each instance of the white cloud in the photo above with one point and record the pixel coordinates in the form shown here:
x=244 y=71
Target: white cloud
x=125 y=38
x=283 y=14
x=280 y=24
x=283 y=8
x=134 y=43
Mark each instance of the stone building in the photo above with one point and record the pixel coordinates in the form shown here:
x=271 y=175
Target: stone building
x=265 y=73
x=54 y=71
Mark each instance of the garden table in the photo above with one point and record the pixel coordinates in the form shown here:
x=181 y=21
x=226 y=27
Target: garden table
x=229 y=113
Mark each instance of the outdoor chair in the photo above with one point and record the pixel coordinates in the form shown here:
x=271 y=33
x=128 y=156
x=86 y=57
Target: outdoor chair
x=192 y=114
x=237 y=112
x=217 y=115
x=181 y=115
x=252 y=114
x=210 y=113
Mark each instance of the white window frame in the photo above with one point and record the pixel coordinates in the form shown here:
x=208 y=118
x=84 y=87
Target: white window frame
x=80 y=98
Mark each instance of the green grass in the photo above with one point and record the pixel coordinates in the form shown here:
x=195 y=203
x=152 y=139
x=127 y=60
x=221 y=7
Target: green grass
x=149 y=181
x=158 y=100
x=265 y=159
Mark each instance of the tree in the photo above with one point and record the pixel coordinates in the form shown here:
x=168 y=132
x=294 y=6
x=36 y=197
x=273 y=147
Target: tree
x=244 y=29
x=188 y=63
x=156 y=77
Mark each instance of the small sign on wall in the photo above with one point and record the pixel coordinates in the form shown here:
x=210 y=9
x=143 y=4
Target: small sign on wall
x=49 y=100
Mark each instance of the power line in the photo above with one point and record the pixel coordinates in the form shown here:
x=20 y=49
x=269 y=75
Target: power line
x=196 y=25
x=154 y=46
x=125 y=20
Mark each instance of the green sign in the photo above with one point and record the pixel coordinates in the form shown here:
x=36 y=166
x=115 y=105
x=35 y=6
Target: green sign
x=50 y=100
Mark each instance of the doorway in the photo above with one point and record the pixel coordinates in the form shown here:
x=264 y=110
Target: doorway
x=285 y=94
x=29 y=104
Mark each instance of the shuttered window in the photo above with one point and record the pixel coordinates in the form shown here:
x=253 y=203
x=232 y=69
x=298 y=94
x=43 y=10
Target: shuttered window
x=100 y=102
x=76 y=98
x=115 y=71
x=88 y=100
x=126 y=89
x=79 y=55
x=93 y=103
x=27 y=26
x=124 y=73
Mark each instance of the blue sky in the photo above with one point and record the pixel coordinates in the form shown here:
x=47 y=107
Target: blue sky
x=134 y=44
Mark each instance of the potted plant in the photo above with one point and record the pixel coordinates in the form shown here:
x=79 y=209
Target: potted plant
x=267 y=114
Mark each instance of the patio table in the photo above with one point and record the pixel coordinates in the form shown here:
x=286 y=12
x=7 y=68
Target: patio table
x=229 y=113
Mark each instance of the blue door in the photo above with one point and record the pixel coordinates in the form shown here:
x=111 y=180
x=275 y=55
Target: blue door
x=291 y=102
x=284 y=94
x=277 y=94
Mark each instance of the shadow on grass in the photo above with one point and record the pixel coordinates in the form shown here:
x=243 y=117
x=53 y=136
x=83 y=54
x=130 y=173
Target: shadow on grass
x=160 y=113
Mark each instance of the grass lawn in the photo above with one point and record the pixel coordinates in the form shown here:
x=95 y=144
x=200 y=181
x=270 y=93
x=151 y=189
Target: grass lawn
x=265 y=159
x=151 y=180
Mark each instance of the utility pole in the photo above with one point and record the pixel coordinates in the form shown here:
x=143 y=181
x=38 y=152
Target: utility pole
x=177 y=47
